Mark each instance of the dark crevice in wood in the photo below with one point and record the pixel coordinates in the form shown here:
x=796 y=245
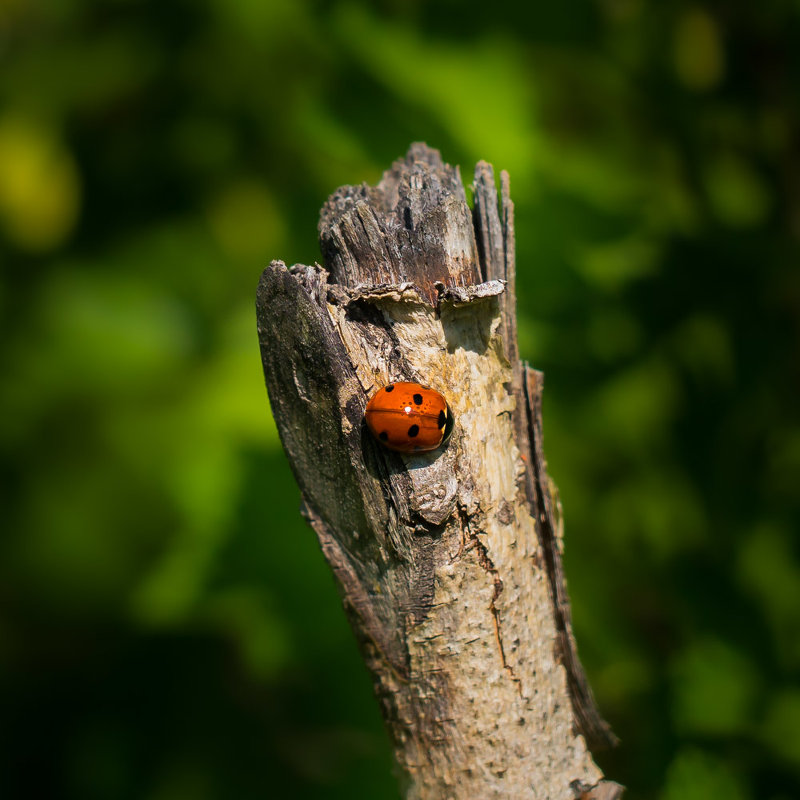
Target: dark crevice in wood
x=587 y=716
x=497 y=588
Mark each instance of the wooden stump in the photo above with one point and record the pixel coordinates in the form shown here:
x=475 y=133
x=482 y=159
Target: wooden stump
x=449 y=563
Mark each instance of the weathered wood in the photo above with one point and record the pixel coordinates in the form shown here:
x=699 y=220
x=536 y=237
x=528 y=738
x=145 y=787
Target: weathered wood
x=449 y=563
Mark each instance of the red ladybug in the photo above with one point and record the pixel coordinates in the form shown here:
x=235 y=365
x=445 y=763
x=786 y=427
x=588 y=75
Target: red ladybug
x=409 y=417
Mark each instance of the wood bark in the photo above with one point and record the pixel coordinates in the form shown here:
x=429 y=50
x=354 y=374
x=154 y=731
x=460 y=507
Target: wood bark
x=449 y=563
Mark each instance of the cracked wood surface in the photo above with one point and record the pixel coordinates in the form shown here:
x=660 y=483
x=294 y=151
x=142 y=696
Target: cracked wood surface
x=449 y=563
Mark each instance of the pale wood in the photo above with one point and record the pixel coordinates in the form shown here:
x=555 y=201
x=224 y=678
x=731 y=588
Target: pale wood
x=449 y=563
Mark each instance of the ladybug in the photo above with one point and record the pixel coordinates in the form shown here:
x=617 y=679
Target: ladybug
x=409 y=417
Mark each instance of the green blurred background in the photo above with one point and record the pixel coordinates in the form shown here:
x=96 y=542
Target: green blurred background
x=168 y=628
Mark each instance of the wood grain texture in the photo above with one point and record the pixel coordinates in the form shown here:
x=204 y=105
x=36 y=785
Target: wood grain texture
x=449 y=563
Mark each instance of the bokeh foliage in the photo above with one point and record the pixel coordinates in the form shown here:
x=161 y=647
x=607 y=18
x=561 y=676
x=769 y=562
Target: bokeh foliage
x=168 y=628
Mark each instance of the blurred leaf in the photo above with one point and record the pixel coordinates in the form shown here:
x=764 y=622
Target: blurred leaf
x=258 y=23
x=694 y=775
x=624 y=680
x=80 y=72
x=183 y=782
x=780 y=731
x=612 y=264
x=653 y=512
x=703 y=344
x=699 y=55
x=768 y=568
x=454 y=84
x=39 y=185
x=260 y=634
x=714 y=690
x=613 y=334
x=637 y=403
x=246 y=220
x=783 y=470
x=203 y=143
x=737 y=192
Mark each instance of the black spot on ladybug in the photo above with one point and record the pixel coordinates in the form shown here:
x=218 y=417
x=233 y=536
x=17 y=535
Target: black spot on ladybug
x=390 y=388
x=442 y=419
x=383 y=436
x=418 y=399
x=413 y=431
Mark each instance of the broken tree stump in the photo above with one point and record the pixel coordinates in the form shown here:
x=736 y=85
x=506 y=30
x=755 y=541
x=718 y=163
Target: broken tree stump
x=449 y=562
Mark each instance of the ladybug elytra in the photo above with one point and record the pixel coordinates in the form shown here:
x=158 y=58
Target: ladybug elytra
x=409 y=417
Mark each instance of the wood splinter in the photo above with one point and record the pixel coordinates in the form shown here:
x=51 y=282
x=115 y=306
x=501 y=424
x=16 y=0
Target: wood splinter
x=449 y=561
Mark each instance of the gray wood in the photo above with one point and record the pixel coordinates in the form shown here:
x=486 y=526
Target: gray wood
x=449 y=563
